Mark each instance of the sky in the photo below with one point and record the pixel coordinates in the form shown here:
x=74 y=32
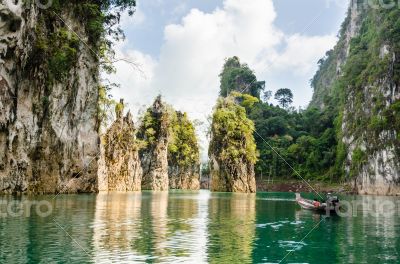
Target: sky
x=180 y=47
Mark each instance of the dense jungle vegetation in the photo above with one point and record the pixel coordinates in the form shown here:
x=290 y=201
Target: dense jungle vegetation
x=304 y=138
x=311 y=139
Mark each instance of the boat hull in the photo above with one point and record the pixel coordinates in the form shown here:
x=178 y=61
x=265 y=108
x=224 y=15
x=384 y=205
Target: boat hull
x=309 y=205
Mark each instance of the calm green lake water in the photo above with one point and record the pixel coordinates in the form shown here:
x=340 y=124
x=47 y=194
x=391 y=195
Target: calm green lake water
x=199 y=227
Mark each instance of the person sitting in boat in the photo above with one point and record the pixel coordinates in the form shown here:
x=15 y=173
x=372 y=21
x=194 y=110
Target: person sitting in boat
x=316 y=203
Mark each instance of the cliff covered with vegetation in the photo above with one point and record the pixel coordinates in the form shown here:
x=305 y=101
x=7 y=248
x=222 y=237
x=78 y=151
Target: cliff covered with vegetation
x=183 y=154
x=170 y=157
x=304 y=139
x=155 y=133
x=120 y=168
x=232 y=150
x=367 y=98
x=50 y=56
x=350 y=131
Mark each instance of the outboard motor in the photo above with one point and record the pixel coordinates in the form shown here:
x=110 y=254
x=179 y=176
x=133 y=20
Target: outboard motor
x=332 y=200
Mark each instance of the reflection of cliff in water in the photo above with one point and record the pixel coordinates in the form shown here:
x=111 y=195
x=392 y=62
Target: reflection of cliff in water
x=159 y=219
x=115 y=224
x=187 y=237
x=27 y=237
x=173 y=228
x=231 y=228
x=153 y=226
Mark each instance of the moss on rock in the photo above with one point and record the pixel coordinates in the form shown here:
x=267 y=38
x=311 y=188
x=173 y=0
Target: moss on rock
x=232 y=149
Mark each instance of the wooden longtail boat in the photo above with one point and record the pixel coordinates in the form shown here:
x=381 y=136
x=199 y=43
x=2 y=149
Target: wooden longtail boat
x=330 y=205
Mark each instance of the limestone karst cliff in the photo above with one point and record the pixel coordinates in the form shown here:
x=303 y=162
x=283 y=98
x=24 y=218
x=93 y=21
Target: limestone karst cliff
x=360 y=78
x=331 y=65
x=119 y=165
x=183 y=154
x=155 y=132
x=48 y=100
x=232 y=148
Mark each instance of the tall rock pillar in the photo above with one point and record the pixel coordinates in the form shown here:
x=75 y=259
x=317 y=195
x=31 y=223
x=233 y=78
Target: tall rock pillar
x=155 y=133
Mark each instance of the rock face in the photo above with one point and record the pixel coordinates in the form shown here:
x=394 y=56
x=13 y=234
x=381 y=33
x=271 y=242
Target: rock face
x=119 y=164
x=48 y=114
x=183 y=155
x=371 y=130
x=184 y=177
x=232 y=149
x=331 y=66
x=237 y=178
x=367 y=59
x=154 y=157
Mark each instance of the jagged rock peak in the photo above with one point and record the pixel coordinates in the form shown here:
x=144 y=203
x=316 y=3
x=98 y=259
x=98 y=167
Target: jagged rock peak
x=155 y=133
x=119 y=165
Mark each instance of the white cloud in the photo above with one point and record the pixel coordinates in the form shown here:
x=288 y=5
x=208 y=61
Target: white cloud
x=134 y=78
x=301 y=53
x=193 y=53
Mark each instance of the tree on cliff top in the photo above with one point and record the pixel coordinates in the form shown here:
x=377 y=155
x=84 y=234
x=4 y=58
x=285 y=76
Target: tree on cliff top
x=239 y=77
x=155 y=122
x=232 y=133
x=284 y=96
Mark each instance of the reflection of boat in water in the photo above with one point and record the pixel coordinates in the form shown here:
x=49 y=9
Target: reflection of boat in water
x=330 y=205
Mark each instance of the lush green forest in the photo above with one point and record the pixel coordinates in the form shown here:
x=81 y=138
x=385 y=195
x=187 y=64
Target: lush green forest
x=310 y=140
x=306 y=139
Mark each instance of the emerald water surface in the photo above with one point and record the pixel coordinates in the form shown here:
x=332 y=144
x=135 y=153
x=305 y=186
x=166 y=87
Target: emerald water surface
x=194 y=227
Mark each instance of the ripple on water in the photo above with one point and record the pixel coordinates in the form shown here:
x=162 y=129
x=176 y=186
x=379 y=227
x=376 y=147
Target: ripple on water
x=200 y=228
x=291 y=245
x=277 y=225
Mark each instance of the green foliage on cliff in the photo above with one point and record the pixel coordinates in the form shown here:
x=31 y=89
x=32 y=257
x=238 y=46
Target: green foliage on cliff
x=63 y=53
x=371 y=71
x=59 y=49
x=393 y=117
x=363 y=85
x=240 y=78
x=65 y=30
x=101 y=17
x=306 y=139
x=155 y=123
x=58 y=43
x=150 y=128
x=358 y=158
x=183 y=148
x=162 y=120
x=232 y=133
x=245 y=100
